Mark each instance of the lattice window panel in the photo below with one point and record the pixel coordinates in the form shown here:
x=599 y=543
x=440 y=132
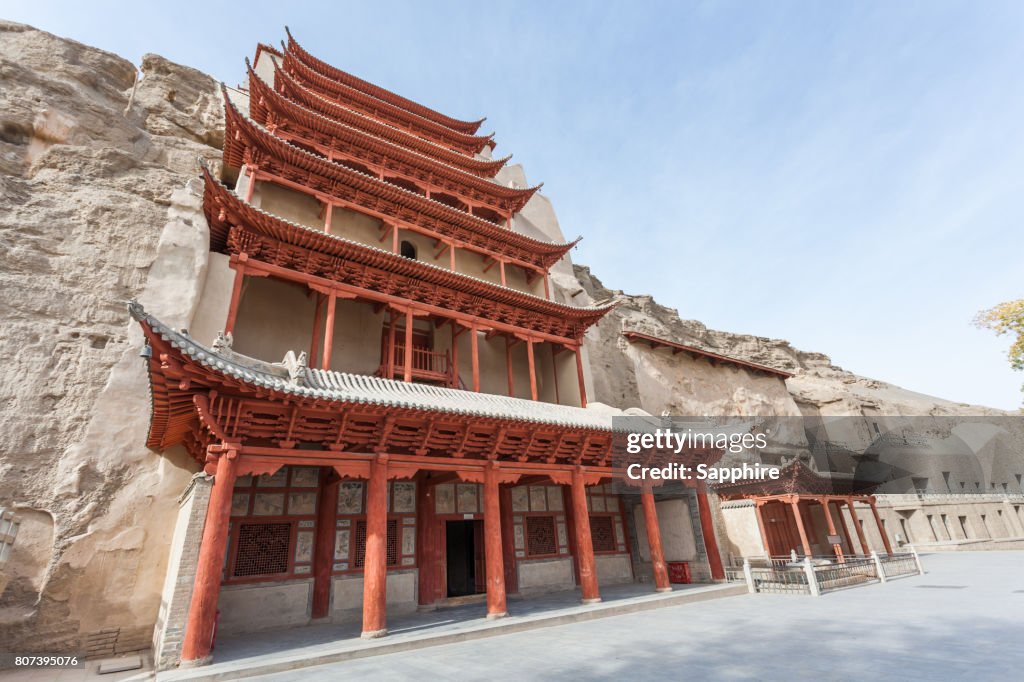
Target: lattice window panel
x=541 y=539
x=263 y=549
x=602 y=533
x=360 y=548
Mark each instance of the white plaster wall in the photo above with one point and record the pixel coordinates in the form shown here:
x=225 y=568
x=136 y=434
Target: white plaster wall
x=288 y=204
x=249 y=608
x=677 y=540
x=173 y=565
x=264 y=67
x=274 y=317
x=212 y=311
x=347 y=597
x=742 y=537
x=542 y=575
x=357 y=337
x=613 y=569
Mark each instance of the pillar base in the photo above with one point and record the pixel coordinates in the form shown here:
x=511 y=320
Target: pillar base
x=595 y=600
x=373 y=634
x=196 y=662
x=495 y=616
x=663 y=589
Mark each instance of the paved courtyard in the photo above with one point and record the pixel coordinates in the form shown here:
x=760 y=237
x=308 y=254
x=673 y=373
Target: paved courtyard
x=963 y=619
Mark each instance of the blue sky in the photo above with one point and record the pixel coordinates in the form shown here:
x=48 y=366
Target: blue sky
x=847 y=176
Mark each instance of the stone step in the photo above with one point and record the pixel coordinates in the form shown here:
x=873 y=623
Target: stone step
x=351 y=649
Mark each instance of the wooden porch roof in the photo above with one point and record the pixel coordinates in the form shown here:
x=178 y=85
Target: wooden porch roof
x=287 y=407
x=714 y=358
x=796 y=478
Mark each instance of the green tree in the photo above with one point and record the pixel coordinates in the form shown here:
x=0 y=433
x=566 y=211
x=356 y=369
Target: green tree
x=1007 y=318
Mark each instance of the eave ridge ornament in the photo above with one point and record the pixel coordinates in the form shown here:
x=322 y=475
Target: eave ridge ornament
x=222 y=343
x=296 y=367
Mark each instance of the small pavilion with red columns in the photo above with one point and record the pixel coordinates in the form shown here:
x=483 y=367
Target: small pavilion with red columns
x=784 y=510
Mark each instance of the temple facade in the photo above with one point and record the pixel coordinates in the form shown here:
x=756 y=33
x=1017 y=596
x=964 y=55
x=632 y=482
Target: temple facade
x=388 y=403
x=373 y=381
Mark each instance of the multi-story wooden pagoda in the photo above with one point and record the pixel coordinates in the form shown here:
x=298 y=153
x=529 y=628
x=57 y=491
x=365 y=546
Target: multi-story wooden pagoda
x=426 y=433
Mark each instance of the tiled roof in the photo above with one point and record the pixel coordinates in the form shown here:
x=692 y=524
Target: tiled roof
x=217 y=194
x=348 y=388
x=299 y=93
x=265 y=97
x=238 y=124
x=468 y=127
x=676 y=347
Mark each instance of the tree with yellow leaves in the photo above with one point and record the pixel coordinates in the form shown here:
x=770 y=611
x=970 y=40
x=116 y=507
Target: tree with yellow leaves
x=1007 y=318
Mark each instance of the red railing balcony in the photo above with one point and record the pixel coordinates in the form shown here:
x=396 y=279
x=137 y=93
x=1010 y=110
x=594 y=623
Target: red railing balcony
x=427 y=365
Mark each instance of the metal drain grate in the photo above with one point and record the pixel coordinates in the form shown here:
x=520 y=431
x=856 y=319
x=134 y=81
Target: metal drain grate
x=944 y=587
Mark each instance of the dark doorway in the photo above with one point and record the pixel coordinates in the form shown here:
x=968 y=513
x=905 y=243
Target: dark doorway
x=464 y=543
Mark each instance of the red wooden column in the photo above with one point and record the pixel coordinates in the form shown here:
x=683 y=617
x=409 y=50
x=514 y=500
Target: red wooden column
x=584 y=543
x=236 y=293
x=455 y=355
x=763 y=529
x=508 y=366
x=323 y=556
x=881 y=528
x=250 y=187
x=579 y=374
x=474 y=344
x=533 y=369
x=856 y=526
x=707 y=529
x=328 y=215
x=496 y=607
x=661 y=582
x=429 y=547
x=202 y=612
x=844 y=528
x=408 y=346
x=795 y=504
x=836 y=547
x=392 y=318
x=332 y=300
x=508 y=541
x=375 y=565
x=554 y=373
x=570 y=529
x=314 y=344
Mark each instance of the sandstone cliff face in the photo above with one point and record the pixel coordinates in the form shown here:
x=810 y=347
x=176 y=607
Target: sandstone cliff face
x=90 y=175
x=626 y=374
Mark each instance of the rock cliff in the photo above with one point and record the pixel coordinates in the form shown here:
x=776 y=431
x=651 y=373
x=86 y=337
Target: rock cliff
x=817 y=387
x=94 y=159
